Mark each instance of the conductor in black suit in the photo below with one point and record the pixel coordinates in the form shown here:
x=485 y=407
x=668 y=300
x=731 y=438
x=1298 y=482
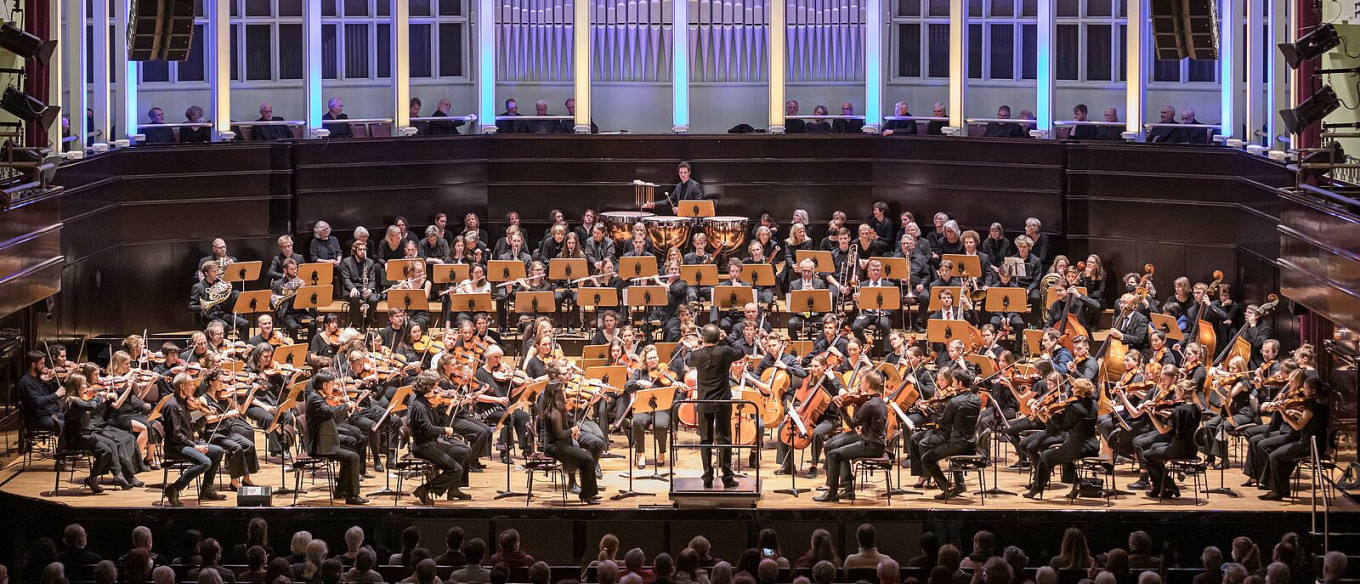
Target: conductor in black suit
x=324 y=439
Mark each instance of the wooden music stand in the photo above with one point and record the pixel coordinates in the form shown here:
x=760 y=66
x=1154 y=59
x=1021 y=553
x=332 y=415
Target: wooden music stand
x=1034 y=341
x=894 y=268
x=1162 y=322
x=985 y=365
x=699 y=274
x=821 y=258
x=252 y=302
x=317 y=274
x=892 y=377
x=291 y=355
x=588 y=363
x=242 y=271
x=449 y=273
x=529 y=392
x=935 y=296
x=880 y=298
x=613 y=375
x=809 y=301
x=651 y=400
x=408 y=300
x=694 y=209
x=802 y=348
x=1006 y=299
x=1052 y=291
x=526 y=302
x=943 y=331
x=595 y=352
x=567 y=268
x=314 y=296
x=397 y=404
x=733 y=297
x=595 y=297
x=156 y=411
x=505 y=270
x=665 y=351
x=967 y=266
x=761 y=274
x=287 y=404
x=471 y=302
x=640 y=297
x=396 y=269
x=638 y=267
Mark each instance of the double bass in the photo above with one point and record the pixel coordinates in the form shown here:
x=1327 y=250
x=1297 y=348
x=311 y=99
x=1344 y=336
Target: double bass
x=1070 y=326
x=1112 y=352
x=1240 y=347
x=1204 y=330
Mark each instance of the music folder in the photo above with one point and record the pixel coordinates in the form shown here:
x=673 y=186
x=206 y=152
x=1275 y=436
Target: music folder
x=699 y=274
x=313 y=297
x=252 y=302
x=694 y=209
x=821 y=258
x=242 y=271
x=612 y=375
x=1167 y=324
x=1006 y=299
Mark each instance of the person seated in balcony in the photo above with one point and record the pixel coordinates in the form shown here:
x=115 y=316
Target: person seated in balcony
x=569 y=126
x=509 y=126
x=936 y=127
x=335 y=110
x=194 y=115
x=1165 y=133
x=845 y=126
x=900 y=127
x=270 y=132
x=1193 y=135
x=444 y=128
x=157 y=135
x=1083 y=131
x=1003 y=129
x=540 y=126
x=792 y=125
x=1112 y=133
x=819 y=125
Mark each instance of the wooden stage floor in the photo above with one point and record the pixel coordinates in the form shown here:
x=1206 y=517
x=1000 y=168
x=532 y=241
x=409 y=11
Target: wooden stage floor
x=37 y=482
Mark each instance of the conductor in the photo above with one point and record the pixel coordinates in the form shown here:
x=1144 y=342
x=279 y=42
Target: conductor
x=712 y=362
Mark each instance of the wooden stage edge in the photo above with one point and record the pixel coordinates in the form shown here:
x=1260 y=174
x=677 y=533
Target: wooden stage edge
x=36 y=484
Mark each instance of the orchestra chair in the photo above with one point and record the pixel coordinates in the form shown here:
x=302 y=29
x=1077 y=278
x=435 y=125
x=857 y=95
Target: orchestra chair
x=974 y=463
x=409 y=464
x=170 y=461
x=1192 y=468
x=864 y=468
x=1016 y=448
x=1237 y=435
x=30 y=440
x=71 y=456
x=311 y=464
x=538 y=462
x=1326 y=465
x=1096 y=467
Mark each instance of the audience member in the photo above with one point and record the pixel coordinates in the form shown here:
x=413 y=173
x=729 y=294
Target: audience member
x=821 y=550
x=1277 y=573
x=899 y=127
x=609 y=548
x=424 y=573
x=1165 y=133
x=940 y=575
x=161 y=575
x=256 y=571
x=1018 y=561
x=768 y=543
x=298 y=547
x=984 y=547
x=1234 y=573
x=335 y=110
x=767 y=572
x=997 y=571
x=701 y=547
x=473 y=573
x=309 y=570
x=663 y=568
x=189 y=135
x=847 y=126
x=824 y=572
x=362 y=571
x=331 y=571
x=354 y=541
x=889 y=572
x=1212 y=561
x=257 y=531
x=509 y=552
x=453 y=549
x=155 y=135
x=930 y=549
x=1003 y=129
x=410 y=540
x=950 y=557
x=721 y=573
x=1140 y=553
x=606 y=572
x=1149 y=577
x=868 y=556
x=1245 y=552
x=270 y=131
x=539 y=573
x=443 y=127
x=1333 y=567
x=74 y=553
x=687 y=570
x=210 y=554
x=1046 y=575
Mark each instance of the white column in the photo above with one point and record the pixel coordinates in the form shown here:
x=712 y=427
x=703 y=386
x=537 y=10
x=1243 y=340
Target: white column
x=1256 y=113
x=1280 y=78
x=55 y=69
x=1229 y=65
x=580 y=63
x=125 y=116
x=72 y=48
x=958 y=64
x=1135 y=66
x=1047 y=71
x=99 y=102
x=313 y=100
x=873 y=65
x=486 y=65
x=680 y=66
x=778 y=31
x=401 y=65
x=218 y=61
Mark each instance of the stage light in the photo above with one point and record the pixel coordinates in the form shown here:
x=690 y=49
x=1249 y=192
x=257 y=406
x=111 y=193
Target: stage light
x=1310 y=46
x=1311 y=110
x=26 y=45
x=29 y=108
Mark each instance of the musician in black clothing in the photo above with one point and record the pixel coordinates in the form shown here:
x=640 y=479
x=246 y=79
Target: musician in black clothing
x=321 y=349
x=1084 y=365
x=712 y=362
x=806 y=280
x=1130 y=326
x=687 y=189
x=498 y=400
x=1232 y=406
x=1310 y=424
x=817 y=378
x=325 y=438
x=1131 y=391
x=956 y=433
x=362 y=285
x=476 y=433
x=225 y=428
x=284 y=292
x=1069 y=299
x=866 y=441
x=1077 y=421
x=435 y=443
x=1004 y=277
x=285 y=253
x=880 y=320
x=1257 y=332
x=560 y=437
x=79 y=433
x=650 y=376
x=829 y=340
x=181 y=442
x=213 y=298
x=40 y=395
x=1179 y=425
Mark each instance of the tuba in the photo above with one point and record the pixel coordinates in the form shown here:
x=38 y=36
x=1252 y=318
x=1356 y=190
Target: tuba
x=218 y=292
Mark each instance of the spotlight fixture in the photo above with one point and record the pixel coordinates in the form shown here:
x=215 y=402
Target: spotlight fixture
x=25 y=44
x=1310 y=111
x=28 y=108
x=1311 y=45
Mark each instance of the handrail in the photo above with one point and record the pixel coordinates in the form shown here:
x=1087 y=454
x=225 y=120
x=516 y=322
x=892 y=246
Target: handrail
x=1177 y=125
x=822 y=117
x=466 y=118
x=918 y=118
x=998 y=120
x=1326 y=501
x=1087 y=123
x=498 y=118
x=180 y=125
x=358 y=121
x=271 y=123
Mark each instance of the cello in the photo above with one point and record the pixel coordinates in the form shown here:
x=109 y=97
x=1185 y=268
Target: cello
x=1240 y=347
x=812 y=403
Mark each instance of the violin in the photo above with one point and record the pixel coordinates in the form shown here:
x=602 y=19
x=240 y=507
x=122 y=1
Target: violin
x=425 y=345
x=278 y=339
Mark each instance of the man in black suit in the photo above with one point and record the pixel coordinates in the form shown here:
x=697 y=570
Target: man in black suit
x=687 y=189
x=569 y=126
x=900 y=127
x=793 y=126
x=202 y=294
x=956 y=433
x=509 y=126
x=1130 y=326
x=1083 y=131
x=285 y=252
x=157 y=135
x=40 y=399
x=1192 y=134
x=362 y=285
x=440 y=127
x=1004 y=129
x=881 y=320
x=271 y=132
x=1165 y=133
x=435 y=443
x=713 y=362
x=324 y=439
x=335 y=110
x=806 y=280
x=182 y=442
x=847 y=126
